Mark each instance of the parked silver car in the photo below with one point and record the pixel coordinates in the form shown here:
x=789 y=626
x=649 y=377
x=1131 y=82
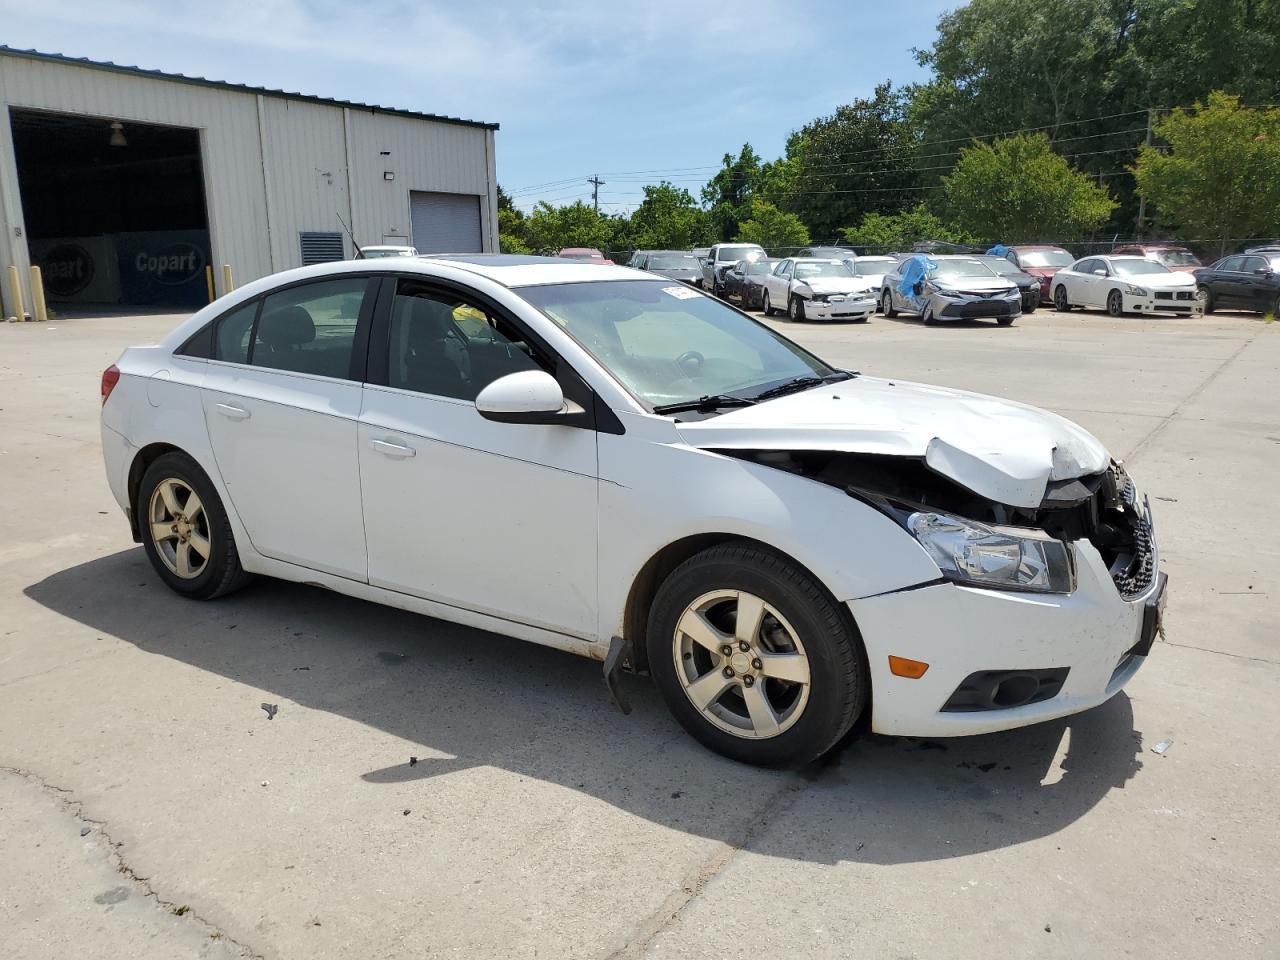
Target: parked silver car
x=949 y=288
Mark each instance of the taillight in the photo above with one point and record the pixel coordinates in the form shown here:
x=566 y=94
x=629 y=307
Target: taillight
x=110 y=377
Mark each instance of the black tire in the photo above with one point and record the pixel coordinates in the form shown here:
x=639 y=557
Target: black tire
x=795 y=310
x=927 y=317
x=1030 y=303
x=1060 y=301
x=886 y=304
x=1275 y=308
x=1115 y=304
x=839 y=684
x=221 y=572
x=1005 y=321
x=764 y=303
x=1206 y=300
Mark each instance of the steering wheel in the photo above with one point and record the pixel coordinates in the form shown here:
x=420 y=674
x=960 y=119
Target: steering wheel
x=691 y=357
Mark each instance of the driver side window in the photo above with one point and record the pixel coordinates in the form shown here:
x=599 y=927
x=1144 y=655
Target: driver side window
x=443 y=345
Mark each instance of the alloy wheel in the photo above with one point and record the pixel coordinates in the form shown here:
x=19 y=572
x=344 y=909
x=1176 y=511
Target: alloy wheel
x=741 y=664
x=1115 y=303
x=179 y=528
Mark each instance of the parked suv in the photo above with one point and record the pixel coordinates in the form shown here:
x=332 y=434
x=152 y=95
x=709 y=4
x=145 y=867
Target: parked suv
x=721 y=258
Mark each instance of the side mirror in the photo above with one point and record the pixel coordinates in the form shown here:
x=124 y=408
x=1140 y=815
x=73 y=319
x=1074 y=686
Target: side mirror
x=1099 y=272
x=1262 y=271
x=530 y=396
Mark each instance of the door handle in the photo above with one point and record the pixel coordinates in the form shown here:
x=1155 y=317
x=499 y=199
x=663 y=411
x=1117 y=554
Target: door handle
x=232 y=412
x=396 y=451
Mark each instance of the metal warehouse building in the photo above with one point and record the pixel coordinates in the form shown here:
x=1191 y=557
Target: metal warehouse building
x=122 y=184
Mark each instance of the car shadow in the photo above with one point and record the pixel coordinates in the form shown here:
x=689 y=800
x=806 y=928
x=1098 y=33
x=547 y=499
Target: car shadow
x=472 y=698
x=982 y=324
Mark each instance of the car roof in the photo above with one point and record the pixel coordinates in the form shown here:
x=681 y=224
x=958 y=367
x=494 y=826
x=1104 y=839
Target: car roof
x=814 y=260
x=1038 y=246
x=675 y=253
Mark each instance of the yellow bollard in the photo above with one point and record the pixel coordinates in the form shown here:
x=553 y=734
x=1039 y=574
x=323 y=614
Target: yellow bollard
x=37 y=295
x=19 y=312
x=227 y=284
x=208 y=279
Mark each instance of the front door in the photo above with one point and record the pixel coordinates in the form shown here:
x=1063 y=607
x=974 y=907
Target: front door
x=498 y=518
x=281 y=405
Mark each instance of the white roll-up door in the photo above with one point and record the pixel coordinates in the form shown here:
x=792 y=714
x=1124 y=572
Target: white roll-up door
x=445 y=222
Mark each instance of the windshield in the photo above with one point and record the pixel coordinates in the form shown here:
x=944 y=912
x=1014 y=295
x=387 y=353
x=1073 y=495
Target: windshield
x=1177 y=258
x=873 y=268
x=1045 y=258
x=670 y=344
x=738 y=253
x=806 y=270
x=955 y=269
x=1134 y=268
x=685 y=261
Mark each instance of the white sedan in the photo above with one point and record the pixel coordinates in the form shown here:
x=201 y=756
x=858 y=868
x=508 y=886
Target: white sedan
x=808 y=288
x=1125 y=284
x=622 y=467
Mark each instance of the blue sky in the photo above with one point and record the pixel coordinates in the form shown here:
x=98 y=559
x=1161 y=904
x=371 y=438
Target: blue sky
x=635 y=92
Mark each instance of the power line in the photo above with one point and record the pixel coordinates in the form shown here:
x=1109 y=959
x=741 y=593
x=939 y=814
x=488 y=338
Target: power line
x=596 y=184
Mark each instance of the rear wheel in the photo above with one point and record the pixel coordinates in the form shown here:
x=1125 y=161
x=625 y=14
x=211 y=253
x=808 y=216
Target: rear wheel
x=1060 y=301
x=185 y=530
x=886 y=305
x=1115 y=303
x=754 y=658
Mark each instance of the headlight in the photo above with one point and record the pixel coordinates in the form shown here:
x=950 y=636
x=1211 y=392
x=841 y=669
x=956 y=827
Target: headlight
x=943 y=292
x=819 y=297
x=1009 y=558
x=1133 y=291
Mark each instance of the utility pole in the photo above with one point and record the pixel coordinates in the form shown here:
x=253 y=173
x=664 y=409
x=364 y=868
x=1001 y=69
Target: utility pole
x=596 y=184
x=1142 y=201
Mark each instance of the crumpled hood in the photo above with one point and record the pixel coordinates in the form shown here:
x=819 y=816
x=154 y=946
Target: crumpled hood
x=830 y=285
x=1005 y=451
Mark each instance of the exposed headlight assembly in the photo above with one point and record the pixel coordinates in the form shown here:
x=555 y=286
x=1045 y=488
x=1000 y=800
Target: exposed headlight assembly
x=1004 y=558
x=1133 y=291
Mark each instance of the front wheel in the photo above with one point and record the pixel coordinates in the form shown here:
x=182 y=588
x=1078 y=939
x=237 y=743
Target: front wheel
x=1060 y=301
x=796 y=311
x=764 y=303
x=1206 y=300
x=754 y=658
x=886 y=305
x=1005 y=321
x=1115 y=303
x=927 y=317
x=185 y=530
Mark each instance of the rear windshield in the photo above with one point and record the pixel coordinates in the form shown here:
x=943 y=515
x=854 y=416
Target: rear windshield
x=1134 y=268
x=1177 y=258
x=1045 y=258
x=873 y=268
x=806 y=270
x=673 y=262
x=738 y=253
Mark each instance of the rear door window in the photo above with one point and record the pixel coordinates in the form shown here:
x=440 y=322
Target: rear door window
x=233 y=333
x=310 y=328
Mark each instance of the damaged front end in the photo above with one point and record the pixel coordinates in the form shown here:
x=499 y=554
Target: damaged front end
x=1102 y=508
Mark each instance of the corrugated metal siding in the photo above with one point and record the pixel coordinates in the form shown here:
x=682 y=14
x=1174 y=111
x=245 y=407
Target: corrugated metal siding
x=306 y=169
x=258 y=207
x=229 y=141
x=428 y=157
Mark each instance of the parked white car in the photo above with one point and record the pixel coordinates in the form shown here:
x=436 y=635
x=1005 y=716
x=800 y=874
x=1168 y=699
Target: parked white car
x=871 y=270
x=1125 y=284
x=377 y=251
x=812 y=289
x=622 y=467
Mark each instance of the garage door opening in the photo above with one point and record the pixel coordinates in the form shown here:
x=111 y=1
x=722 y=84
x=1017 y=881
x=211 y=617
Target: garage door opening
x=114 y=210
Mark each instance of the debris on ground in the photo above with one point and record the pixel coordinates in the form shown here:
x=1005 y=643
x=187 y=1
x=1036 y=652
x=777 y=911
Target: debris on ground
x=1162 y=746
x=265 y=782
x=413 y=761
x=180 y=911
x=1047 y=928
x=406 y=811
x=677 y=794
x=272 y=709
x=84 y=831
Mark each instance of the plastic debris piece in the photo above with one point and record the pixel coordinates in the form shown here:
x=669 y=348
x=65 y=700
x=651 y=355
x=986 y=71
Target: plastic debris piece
x=406 y=812
x=1162 y=746
x=413 y=761
x=84 y=831
x=272 y=709
x=265 y=782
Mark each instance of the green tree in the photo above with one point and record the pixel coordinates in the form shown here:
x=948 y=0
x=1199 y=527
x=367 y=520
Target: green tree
x=840 y=167
x=774 y=229
x=1220 y=175
x=1017 y=190
x=669 y=218
x=882 y=233
x=512 y=231
x=728 y=194
x=548 y=228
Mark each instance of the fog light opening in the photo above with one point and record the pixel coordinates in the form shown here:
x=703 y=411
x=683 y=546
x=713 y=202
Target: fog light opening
x=1015 y=690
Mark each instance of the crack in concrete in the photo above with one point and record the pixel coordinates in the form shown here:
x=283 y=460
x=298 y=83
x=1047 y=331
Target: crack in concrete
x=694 y=882
x=1222 y=653
x=75 y=808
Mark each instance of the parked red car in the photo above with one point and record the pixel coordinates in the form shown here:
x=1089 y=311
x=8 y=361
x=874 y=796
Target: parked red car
x=1176 y=258
x=1042 y=261
x=589 y=254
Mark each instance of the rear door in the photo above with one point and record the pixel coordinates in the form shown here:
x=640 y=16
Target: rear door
x=498 y=518
x=281 y=399
x=1254 y=286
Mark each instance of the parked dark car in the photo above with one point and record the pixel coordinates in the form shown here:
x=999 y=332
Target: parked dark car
x=1243 y=281
x=745 y=280
x=676 y=264
x=1028 y=284
x=1176 y=258
x=1042 y=261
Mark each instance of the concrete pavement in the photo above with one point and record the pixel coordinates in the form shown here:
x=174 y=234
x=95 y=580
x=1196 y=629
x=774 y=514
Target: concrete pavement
x=537 y=821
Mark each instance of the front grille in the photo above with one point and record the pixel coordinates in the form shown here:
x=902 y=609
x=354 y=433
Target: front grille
x=1174 y=295
x=988 y=308
x=1134 y=568
x=1163 y=295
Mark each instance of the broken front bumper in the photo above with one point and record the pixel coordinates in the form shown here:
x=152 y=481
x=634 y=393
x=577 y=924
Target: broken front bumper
x=1100 y=638
x=849 y=308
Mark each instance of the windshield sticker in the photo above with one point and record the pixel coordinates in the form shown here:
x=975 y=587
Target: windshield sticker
x=681 y=293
